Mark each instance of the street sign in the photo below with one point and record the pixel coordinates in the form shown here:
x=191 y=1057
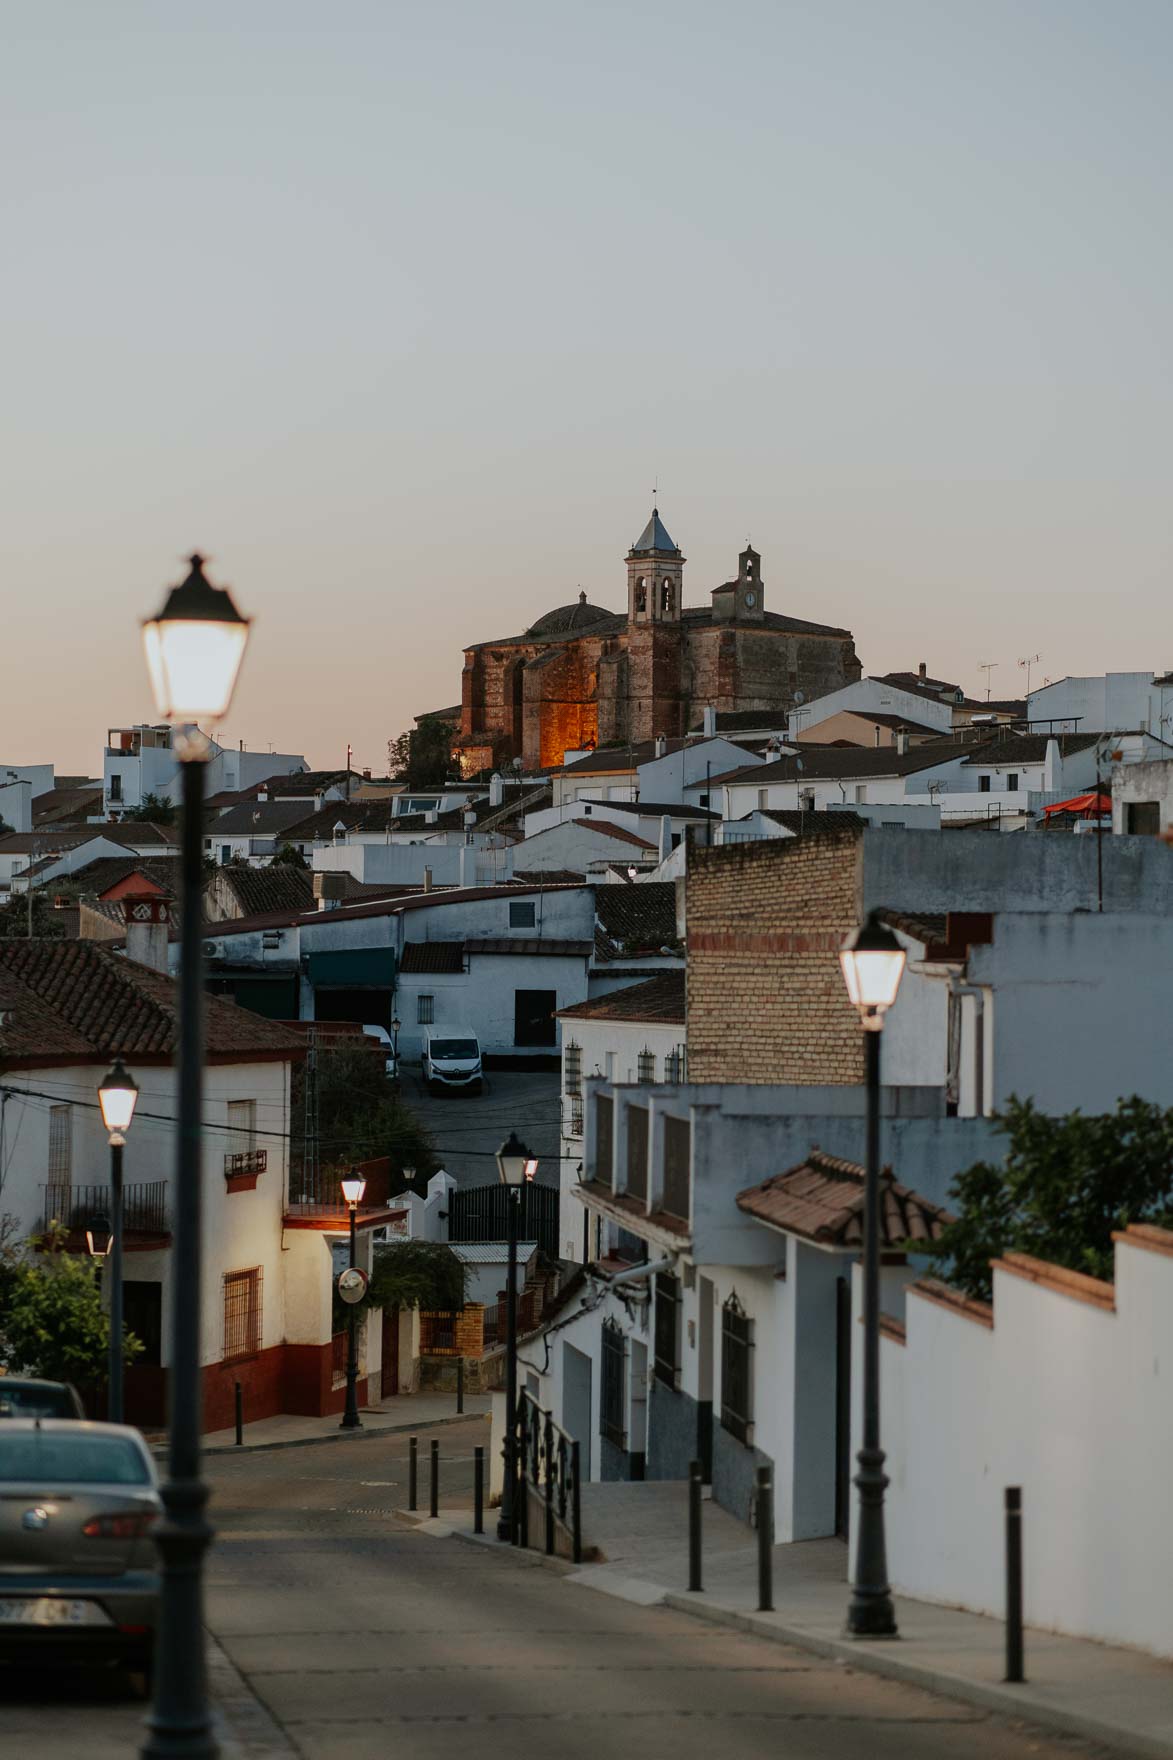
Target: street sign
x=352 y=1284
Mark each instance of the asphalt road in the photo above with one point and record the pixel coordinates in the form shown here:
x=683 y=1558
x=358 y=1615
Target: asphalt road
x=363 y=1637
x=469 y=1128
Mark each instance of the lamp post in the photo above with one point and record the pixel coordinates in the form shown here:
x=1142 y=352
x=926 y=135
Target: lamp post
x=873 y=963
x=352 y=1190
x=117 y=1096
x=396 y=1023
x=515 y=1166
x=194 y=647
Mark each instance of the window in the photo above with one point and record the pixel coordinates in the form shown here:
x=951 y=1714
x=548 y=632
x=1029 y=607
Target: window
x=604 y=1126
x=523 y=916
x=641 y=594
x=242 y=1313
x=574 y=1115
x=116 y=787
x=637 y=1152
x=667 y=1336
x=1012 y=781
x=666 y=598
x=736 y=1345
x=60 y=1144
x=572 y=1068
x=677 y=1154
x=763 y=799
x=242 y=1126
x=612 y=1392
x=225 y=852
x=704 y=800
x=861 y=793
x=675 y=1064
x=1142 y=818
x=645 y=1065
x=425 y=1010
x=983 y=785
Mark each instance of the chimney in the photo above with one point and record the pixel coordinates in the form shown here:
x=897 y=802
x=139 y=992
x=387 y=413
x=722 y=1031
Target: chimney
x=427 y=879
x=263 y=794
x=709 y=722
x=661 y=745
x=468 y=868
x=665 y=837
x=922 y=670
x=496 y=790
x=366 y=775
x=148 y=919
x=1051 y=767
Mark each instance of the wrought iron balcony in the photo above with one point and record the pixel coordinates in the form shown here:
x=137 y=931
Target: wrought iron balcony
x=144 y=1207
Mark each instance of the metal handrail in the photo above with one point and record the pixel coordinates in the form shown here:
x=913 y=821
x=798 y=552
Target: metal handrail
x=548 y=1462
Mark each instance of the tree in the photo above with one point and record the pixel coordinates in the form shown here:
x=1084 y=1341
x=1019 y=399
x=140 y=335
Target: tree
x=410 y=1274
x=1065 y=1185
x=289 y=856
x=359 y=1114
x=423 y=756
x=53 y=1323
x=46 y=921
x=153 y=810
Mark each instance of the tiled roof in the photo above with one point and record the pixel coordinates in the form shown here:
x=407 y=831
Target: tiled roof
x=897 y=723
x=104 y=872
x=848 y=761
x=568 y=619
x=432 y=956
x=74 y=998
x=822 y=1200
x=259 y=818
x=810 y=824
x=730 y=720
x=654 y=809
x=654 y=537
x=530 y=944
x=607 y=828
x=67 y=803
x=280 y=888
x=931 y=928
x=408 y=899
x=634 y=918
x=550 y=876
x=912 y=681
x=491 y=1252
x=657 y=999
x=452 y=714
x=1029 y=748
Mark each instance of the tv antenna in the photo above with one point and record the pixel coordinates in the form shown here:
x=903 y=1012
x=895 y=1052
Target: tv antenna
x=1029 y=661
x=987 y=666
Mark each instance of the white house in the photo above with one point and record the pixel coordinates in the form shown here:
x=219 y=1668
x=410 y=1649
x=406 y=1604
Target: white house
x=140 y=760
x=1110 y=703
x=871 y=696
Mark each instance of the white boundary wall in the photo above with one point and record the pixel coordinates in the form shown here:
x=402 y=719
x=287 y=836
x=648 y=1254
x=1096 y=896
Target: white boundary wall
x=1071 y=1400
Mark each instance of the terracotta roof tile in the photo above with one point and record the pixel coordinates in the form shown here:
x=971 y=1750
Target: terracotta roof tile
x=822 y=1200
x=658 y=999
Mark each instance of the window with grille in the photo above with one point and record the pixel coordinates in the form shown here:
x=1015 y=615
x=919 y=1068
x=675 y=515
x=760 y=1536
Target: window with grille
x=612 y=1390
x=667 y=1337
x=574 y=1115
x=637 y=1152
x=645 y=1066
x=523 y=915
x=425 y=1010
x=60 y=1144
x=242 y=1313
x=604 y=1122
x=572 y=1068
x=242 y=1126
x=115 y=786
x=675 y=1065
x=736 y=1345
x=677 y=1154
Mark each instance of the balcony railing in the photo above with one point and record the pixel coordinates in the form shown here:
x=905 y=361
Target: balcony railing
x=248 y=1161
x=144 y=1207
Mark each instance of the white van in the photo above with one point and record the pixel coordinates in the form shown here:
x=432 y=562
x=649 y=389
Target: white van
x=451 y=1061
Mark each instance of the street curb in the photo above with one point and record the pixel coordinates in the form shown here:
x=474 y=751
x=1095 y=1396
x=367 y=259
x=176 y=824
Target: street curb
x=363 y=1434
x=246 y=1728
x=886 y=1660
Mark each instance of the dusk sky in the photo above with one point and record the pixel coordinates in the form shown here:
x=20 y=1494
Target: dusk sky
x=399 y=311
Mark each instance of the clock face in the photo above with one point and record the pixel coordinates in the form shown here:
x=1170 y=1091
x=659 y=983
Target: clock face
x=750 y=600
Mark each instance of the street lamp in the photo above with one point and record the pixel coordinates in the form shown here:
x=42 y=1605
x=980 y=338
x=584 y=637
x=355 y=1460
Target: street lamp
x=194 y=647
x=352 y=1190
x=516 y=1166
x=117 y=1096
x=873 y=964
x=396 y=1023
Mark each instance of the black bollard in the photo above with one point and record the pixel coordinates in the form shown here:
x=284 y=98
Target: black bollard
x=239 y=1416
x=460 y=1384
x=765 y=1520
x=1015 y=1669
x=413 y=1473
x=478 y=1490
x=695 y=1487
x=576 y=1501
x=434 y=1503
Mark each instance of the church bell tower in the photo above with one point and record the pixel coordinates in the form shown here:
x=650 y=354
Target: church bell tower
x=655 y=576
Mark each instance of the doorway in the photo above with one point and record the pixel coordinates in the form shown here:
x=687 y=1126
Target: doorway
x=576 y=1404
x=842 y=1406
x=533 y=1017
x=706 y=1298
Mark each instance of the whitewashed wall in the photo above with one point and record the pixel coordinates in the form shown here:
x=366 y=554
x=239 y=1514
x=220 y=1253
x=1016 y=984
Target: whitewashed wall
x=1071 y=1401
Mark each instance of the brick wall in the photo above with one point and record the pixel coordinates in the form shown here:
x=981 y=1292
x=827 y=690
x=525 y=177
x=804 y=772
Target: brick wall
x=766 y=1001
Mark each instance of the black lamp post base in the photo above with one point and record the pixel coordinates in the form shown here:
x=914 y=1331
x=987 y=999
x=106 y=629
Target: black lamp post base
x=504 y=1525
x=871 y=1616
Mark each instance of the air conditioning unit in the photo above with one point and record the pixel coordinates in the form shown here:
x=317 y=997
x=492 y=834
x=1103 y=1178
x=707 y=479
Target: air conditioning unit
x=213 y=950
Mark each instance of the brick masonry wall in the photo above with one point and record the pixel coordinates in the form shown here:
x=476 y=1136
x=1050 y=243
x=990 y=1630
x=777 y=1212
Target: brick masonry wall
x=766 y=1001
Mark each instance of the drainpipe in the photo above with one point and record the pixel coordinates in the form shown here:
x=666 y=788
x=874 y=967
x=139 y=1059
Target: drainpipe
x=636 y=1272
x=979 y=1058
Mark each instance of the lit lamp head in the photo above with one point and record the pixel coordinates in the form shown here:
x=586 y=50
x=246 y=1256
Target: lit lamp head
x=117 y=1096
x=515 y=1164
x=353 y=1189
x=396 y=1023
x=99 y=1238
x=194 y=648
x=873 y=965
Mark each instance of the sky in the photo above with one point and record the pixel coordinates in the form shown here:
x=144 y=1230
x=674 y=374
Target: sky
x=400 y=312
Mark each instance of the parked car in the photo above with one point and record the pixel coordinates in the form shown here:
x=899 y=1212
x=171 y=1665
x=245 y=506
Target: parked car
x=387 y=1045
x=22 y=1396
x=452 y=1061
x=78 y=1574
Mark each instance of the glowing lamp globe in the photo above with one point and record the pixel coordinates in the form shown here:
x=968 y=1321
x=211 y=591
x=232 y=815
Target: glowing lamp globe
x=117 y=1096
x=873 y=965
x=194 y=647
x=515 y=1163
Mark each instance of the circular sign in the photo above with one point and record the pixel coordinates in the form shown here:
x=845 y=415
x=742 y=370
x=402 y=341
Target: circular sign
x=352 y=1284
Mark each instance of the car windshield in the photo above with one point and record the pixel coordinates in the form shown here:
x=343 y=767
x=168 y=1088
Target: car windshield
x=54 y=1458
x=34 y=1402
x=449 y=1048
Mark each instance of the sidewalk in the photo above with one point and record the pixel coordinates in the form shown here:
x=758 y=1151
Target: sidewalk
x=401 y=1412
x=1119 y=1697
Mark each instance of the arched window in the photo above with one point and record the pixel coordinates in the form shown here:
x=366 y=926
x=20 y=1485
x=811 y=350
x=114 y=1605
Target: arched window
x=641 y=594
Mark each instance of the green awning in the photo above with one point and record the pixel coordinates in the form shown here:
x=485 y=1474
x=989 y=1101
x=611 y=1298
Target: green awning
x=361 y=968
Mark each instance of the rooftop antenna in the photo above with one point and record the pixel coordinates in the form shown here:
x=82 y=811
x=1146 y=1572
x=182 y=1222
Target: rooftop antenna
x=987 y=666
x=1028 y=662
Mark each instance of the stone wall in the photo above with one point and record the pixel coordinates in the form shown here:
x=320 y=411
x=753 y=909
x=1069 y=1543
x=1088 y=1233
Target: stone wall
x=765 y=995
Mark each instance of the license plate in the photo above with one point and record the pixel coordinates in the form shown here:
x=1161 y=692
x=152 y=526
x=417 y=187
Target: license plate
x=47 y=1610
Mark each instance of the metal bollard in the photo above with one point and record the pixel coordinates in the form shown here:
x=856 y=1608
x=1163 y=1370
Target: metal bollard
x=548 y=1450
x=434 y=1503
x=478 y=1490
x=765 y=1521
x=576 y=1502
x=413 y=1473
x=239 y=1416
x=695 y=1487
x=460 y=1384
x=1015 y=1670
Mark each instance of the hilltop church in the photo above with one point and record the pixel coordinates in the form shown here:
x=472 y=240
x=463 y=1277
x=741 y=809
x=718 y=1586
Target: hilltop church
x=583 y=677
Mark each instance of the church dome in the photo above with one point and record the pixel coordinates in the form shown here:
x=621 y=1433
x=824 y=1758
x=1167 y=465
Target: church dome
x=566 y=619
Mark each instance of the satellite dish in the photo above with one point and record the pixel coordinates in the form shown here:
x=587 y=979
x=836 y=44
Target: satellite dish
x=800 y=696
